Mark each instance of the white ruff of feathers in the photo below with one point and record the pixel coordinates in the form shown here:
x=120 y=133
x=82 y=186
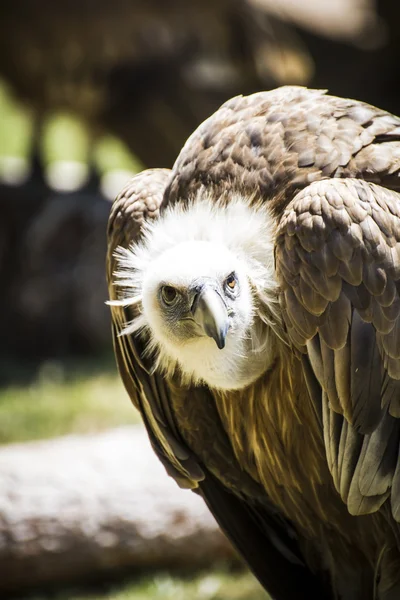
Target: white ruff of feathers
x=248 y=232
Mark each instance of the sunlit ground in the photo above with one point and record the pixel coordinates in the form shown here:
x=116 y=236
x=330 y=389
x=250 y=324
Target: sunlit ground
x=217 y=585
x=86 y=396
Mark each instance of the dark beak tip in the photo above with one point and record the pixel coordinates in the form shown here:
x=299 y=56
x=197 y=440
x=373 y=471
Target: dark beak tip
x=220 y=338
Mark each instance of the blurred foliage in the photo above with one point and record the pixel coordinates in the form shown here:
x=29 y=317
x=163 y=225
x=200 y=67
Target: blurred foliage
x=111 y=153
x=75 y=397
x=16 y=125
x=218 y=585
x=63 y=137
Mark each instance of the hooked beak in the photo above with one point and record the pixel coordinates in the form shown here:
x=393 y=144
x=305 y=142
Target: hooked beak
x=210 y=313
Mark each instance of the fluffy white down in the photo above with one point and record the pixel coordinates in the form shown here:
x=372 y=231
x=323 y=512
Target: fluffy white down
x=206 y=238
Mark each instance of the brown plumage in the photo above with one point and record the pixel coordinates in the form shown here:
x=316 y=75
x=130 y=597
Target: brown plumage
x=300 y=467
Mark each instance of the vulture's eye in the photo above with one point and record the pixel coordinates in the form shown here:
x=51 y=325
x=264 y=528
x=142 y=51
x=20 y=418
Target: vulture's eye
x=231 y=282
x=169 y=294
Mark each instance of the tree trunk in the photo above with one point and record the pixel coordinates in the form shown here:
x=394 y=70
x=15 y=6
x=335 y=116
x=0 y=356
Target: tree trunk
x=82 y=508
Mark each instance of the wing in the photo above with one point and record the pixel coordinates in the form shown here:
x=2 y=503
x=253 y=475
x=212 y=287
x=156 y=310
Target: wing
x=338 y=262
x=186 y=432
x=272 y=144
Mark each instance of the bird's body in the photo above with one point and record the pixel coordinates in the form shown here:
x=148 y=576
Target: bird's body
x=255 y=301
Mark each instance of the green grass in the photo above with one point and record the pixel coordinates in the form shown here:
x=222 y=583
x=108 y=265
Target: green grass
x=64 y=399
x=209 y=586
x=216 y=585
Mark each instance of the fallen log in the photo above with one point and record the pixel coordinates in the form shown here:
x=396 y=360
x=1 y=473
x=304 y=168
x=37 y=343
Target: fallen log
x=81 y=508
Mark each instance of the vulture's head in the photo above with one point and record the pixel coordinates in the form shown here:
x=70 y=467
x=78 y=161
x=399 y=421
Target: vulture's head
x=202 y=280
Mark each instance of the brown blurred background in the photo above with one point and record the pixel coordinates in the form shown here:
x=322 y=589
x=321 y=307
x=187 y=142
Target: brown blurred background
x=90 y=93
x=93 y=90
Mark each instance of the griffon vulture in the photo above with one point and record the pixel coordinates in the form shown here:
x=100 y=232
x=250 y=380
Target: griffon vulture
x=255 y=308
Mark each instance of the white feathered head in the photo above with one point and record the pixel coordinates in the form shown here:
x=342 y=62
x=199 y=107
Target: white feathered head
x=202 y=279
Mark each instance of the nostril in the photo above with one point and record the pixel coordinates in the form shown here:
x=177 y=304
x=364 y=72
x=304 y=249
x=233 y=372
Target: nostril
x=196 y=290
x=194 y=303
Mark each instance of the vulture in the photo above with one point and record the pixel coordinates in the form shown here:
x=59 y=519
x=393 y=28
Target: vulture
x=255 y=299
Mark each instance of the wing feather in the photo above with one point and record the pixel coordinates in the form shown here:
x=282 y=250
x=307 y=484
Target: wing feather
x=365 y=384
x=379 y=461
x=354 y=344
x=349 y=452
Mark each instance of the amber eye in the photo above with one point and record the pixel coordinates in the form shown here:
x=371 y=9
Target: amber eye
x=169 y=294
x=231 y=281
